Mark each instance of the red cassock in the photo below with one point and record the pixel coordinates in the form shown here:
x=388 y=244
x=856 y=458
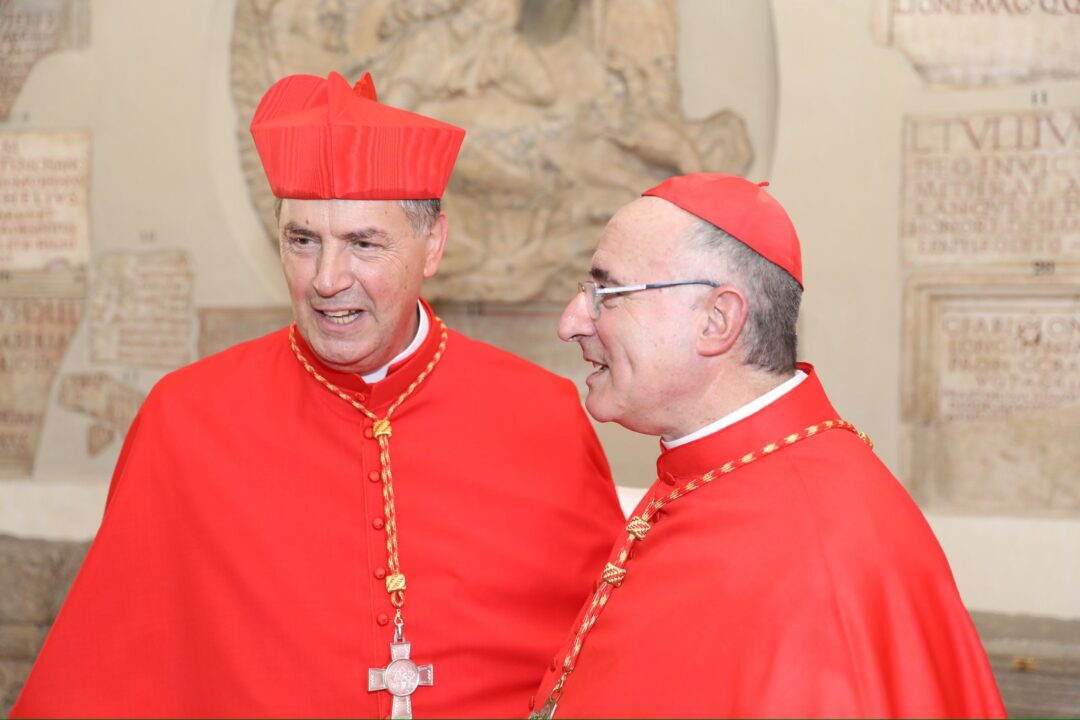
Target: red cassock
x=239 y=566
x=804 y=584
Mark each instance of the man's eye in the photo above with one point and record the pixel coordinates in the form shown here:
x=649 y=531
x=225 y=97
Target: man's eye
x=301 y=241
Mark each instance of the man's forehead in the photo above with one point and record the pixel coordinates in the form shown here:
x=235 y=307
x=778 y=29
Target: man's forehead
x=647 y=230
x=305 y=212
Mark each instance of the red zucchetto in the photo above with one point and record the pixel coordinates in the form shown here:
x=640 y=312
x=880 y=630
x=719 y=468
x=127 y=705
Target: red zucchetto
x=321 y=139
x=740 y=208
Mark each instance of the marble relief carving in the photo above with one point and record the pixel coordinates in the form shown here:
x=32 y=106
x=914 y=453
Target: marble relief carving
x=572 y=108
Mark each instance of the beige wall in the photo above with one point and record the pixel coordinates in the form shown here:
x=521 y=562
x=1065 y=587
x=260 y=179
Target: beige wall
x=823 y=108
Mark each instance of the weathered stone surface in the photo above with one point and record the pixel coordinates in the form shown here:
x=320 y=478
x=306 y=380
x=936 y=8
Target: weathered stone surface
x=18 y=642
x=572 y=109
x=111 y=403
x=39 y=312
x=972 y=43
x=35 y=576
x=992 y=394
x=44 y=199
x=1036 y=661
x=12 y=676
x=31 y=29
x=221 y=328
x=141 y=311
x=999 y=188
x=525 y=330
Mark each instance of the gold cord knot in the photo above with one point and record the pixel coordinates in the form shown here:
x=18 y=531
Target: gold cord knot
x=638 y=528
x=613 y=574
x=395 y=582
x=381 y=427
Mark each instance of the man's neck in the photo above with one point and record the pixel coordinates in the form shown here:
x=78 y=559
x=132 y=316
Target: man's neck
x=731 y=401
x=422 y=327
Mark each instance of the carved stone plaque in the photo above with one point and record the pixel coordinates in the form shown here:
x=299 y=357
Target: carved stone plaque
x=221 y=328
x=572 y=109
x=39 y=312
x=31 y=29
x=992 y=188
x=109 y=402
x=141 y=309
x=44 y=180
x=992 y=394
x=971 y=43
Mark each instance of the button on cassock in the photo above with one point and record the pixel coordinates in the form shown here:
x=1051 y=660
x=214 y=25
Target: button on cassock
x=377 y=523
x=373 y=476
x=369 y=434
x=382 y=618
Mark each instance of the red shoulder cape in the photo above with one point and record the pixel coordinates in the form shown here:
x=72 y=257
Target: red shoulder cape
x=238 y=568
x=806 y=584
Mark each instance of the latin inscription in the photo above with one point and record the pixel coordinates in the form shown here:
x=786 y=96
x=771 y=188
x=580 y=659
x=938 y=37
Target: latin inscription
x=996 y=188
x=996 y=360
x=109 y=402
x=973 y=43
x=141 y=310
x=44 y=178
x=34 y=335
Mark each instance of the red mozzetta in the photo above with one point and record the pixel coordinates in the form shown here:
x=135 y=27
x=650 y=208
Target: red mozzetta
x=806 y=583
x=239 y=569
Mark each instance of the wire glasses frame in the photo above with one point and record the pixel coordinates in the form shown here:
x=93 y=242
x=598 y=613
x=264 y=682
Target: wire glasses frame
x=595 y=295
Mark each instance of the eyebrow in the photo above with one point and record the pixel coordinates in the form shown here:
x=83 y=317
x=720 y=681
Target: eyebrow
x=602 y=275
x=299 y=230
x=360 y=235
x=363 y=234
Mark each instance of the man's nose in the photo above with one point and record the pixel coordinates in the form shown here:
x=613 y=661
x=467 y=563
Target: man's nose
x=333 y=274
x=575 y=321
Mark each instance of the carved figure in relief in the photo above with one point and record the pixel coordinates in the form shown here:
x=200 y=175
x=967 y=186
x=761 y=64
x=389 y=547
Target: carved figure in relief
x=570 y=106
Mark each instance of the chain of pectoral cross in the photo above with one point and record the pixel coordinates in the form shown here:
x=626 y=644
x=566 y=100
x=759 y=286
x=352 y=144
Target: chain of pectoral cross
x=615 y=572
x=401 y=676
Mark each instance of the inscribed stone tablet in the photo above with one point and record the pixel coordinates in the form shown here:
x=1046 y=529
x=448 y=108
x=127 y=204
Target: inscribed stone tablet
x=971 y=43
x=141 y=309
x=38 y=316
x=109 y=402
x=992 y=394
x=992 y=188
x=221 y=328
x=44 y=178
x=31 y=29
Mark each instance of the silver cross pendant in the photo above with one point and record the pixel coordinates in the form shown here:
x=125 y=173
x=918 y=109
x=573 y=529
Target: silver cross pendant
x=401 y=677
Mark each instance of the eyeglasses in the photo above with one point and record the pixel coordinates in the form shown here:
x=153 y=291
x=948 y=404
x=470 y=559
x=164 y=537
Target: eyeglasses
x=595 y=295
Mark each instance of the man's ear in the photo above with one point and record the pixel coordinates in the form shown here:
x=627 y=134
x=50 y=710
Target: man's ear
x=435 y=243
x=724 y=323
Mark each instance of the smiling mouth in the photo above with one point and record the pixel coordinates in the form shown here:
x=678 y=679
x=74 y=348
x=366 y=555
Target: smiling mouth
x=340 y=317
x=598 y=367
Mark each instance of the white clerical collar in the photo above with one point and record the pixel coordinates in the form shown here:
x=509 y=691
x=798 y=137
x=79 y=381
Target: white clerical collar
x=745 y=411
x=421 y=334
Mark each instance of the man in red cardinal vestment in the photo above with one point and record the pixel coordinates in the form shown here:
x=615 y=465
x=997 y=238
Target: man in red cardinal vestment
x=776 y=568
x=365 y=514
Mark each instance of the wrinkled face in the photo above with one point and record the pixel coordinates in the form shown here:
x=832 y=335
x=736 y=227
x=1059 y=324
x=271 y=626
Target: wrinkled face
x=354 y=270
x=642 y=345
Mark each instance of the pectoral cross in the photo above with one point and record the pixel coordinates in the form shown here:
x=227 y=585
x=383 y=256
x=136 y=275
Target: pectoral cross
x=401 y=677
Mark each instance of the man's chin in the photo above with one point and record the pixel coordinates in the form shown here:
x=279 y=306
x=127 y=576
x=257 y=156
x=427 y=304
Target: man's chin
x=343 y=356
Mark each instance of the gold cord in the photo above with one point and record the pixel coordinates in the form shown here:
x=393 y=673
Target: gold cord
x=395 y=579
x=614 y=573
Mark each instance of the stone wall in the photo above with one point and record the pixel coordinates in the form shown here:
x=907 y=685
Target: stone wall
x=34 y=579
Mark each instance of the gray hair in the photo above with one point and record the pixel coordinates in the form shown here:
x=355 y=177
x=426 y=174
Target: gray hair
x=422 y=214
x=773 y=296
